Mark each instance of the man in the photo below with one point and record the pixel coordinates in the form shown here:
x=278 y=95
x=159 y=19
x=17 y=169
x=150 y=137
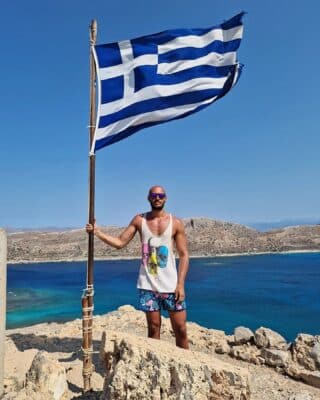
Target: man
x=160 y=285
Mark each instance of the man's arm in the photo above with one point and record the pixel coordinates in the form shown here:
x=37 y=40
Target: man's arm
x=182 y=249
x=117 y=242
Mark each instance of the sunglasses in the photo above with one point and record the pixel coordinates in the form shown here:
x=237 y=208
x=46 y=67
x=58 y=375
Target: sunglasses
x=161 y=196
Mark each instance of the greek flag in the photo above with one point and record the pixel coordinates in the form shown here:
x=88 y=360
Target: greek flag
x=162 y=77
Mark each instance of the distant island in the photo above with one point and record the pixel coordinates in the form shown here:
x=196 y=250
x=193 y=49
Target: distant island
x=206 y=238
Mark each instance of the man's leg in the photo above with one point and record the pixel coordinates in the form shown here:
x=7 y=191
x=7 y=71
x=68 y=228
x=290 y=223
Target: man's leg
x=154 y=324
x=178 y=322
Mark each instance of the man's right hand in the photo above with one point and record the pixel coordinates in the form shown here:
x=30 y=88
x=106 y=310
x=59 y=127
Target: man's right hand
x=91 y=228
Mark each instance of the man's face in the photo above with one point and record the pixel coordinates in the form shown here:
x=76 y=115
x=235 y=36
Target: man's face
x=157 y=198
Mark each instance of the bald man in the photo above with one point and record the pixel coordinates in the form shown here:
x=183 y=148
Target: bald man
x=160 y=284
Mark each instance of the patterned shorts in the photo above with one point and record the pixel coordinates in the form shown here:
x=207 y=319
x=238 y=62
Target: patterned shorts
x=154 y=301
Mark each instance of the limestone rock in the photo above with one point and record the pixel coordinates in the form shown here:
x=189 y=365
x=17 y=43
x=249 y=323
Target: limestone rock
x=201 y=338
x=275 y=358
x=301 y=396
x=267 y=338
x=47 y=377
x=140 y=368
x=223 y=348
x=242 y=335
x=306 y=351
x=246 y=353
x=310 y=377
x=315 y=354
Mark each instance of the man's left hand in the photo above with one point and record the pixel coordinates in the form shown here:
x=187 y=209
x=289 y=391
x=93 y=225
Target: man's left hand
x=180 y=293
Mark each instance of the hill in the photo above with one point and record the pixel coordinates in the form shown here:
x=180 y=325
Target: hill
x=206 y=237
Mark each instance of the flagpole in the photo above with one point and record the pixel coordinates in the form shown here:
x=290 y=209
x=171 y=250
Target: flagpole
x=87 y=297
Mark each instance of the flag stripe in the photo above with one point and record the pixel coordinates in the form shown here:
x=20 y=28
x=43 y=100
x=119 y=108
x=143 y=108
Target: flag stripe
x=190 y=53
x=147 y=75
x=214 y=59
x=152 y=116
x=204 y=40
x=170 y=35
x=151 y=92
x=155 y=104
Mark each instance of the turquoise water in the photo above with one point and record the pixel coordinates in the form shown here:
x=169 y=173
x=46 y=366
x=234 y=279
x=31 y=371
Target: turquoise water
x=279 y=291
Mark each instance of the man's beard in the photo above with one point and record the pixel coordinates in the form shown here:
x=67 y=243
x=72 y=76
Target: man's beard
x=157 y=208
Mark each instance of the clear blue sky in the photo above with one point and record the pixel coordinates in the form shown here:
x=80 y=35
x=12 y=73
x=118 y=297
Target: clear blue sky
x=252 y=156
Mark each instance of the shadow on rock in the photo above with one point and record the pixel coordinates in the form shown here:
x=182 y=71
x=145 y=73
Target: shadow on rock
x=92 y=395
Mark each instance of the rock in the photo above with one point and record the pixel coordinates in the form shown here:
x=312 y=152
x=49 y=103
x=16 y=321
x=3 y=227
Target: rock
x=312 y=378
x=275 y=358
x=315 y=354
x=306 y=351
x=230 y=339
x=126 y=308
x=47 y=377
x=246 y=353
x=301 y=396
x=223 y=348
x=201 y=338
x=267 y=338
x=141 y=368
x=242 y=335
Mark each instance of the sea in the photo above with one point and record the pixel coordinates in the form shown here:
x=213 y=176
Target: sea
x=278 y=291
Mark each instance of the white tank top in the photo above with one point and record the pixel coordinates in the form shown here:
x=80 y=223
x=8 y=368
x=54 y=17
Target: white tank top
x=158 y=270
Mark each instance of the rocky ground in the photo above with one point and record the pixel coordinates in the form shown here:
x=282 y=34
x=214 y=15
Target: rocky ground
x=62 y=342
x=206 y=237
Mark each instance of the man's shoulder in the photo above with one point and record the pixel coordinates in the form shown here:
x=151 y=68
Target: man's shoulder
x=136 y=220
x=177 y=221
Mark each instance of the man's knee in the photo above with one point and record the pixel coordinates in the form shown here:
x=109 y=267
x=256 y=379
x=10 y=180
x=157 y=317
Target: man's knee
x=154 y=327
x=180 y=330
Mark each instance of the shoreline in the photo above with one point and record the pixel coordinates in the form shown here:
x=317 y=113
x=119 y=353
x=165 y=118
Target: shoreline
x=138 y=258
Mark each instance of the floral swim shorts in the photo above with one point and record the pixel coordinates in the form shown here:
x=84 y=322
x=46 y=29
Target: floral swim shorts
x=154 y=301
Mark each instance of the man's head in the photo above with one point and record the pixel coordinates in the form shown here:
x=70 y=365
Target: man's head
x=157 y=197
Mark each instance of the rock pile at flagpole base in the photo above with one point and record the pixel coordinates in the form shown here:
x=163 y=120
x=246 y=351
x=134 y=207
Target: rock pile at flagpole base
x=140 y=368
x=44 y=362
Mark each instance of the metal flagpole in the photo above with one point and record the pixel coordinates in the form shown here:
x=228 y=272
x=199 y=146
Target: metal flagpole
x=87 y=297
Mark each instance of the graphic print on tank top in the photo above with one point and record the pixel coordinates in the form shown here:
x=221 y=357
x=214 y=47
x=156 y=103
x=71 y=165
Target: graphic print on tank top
x=154 y=255
x=158 y=270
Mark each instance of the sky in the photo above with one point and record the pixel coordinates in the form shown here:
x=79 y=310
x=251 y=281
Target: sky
x=252 y=156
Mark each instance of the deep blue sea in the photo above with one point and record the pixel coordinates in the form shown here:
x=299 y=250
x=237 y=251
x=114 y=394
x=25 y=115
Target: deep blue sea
x=280 y=291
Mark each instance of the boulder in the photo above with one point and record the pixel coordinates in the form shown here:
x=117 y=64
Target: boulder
x=275 y=358
x=46 y=377
x=306 y=351
x=222 y=348
x=242 y=335
x=267 y=338
x=203 y=339
x=246 y=353
x=315 y=354
x=312 y=378
x=141 y=368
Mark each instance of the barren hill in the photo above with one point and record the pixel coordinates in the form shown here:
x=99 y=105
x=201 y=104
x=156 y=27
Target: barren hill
x=206 y=237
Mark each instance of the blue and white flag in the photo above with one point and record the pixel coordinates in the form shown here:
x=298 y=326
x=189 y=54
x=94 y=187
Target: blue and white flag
x=161 y=77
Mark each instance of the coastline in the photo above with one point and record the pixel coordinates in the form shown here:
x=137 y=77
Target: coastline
x=302 y=251
x=60 y=344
